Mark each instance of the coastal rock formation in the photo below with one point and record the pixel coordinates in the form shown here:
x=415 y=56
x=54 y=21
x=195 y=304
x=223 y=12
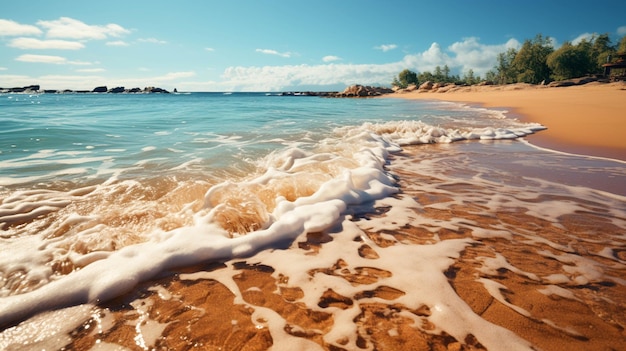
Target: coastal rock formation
x=117 y=90
x=427 y=85
x=574 y=81
x=27 y=89
x=36 y=89
x=155 y=90
x=363 y=91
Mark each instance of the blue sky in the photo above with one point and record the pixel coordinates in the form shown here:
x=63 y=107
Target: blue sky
x=274 y=45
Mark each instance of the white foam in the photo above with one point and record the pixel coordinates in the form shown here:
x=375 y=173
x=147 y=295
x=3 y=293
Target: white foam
x=558 y=291
x=417 y=132
x=116 y=272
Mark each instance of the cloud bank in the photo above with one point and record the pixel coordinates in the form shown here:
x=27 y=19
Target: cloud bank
x=459 y=57
x=66 y=27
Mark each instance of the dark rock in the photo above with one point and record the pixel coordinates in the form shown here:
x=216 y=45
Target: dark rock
x=362 y=91
x=573 y=81
x=117 y=90
x=102 y=89
x=155 y=90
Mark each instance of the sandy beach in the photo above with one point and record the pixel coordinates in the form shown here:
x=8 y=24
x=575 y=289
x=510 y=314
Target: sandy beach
x=586 y=119
x=561 y=289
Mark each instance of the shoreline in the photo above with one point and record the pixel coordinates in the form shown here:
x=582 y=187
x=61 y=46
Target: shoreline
x=585 y=119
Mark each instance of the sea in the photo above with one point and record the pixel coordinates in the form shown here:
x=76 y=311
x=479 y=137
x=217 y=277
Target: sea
x=248 y=221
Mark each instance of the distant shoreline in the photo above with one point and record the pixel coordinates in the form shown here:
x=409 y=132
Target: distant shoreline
x=36 y=89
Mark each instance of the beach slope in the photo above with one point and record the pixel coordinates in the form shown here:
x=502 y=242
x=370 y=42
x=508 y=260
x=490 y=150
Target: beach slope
x=585 y=119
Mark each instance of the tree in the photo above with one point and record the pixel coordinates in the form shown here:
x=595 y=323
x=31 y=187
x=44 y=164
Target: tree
x=571 y=61
x=469 y=78
x=426 y=76
x=530 y=61
x=438 y=74
x=405 y=78
x=600 y=51
x=504 y=70
x=621 y=47
x=446 y=73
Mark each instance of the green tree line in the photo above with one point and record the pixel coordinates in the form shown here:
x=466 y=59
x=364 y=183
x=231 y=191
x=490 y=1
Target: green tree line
x=536 y=61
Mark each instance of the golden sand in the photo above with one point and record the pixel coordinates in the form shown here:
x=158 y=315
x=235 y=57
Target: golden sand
x=585 y=119
x=204 y=314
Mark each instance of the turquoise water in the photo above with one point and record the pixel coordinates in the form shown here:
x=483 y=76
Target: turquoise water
x=78 y=137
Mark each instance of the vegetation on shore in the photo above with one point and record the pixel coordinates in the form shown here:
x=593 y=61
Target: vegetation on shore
x=535 y=62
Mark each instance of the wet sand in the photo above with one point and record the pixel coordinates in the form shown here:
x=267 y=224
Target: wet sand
x=587 y=119
x=555 y=284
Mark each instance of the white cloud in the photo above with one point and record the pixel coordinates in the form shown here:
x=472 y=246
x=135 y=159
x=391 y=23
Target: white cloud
x=42 y=59
x=584 y=36
x=32 y=43
x=50 y=59
x=428 y=60
x=90 y=70
x=274 y=52
x=3 y=68
x=460 y=57
x=209 y=49
x=66 y=27
x=276 y=78
x=621 y=30
x=117 y=43
x=151 y=41
x=386 y=47
x=331 y=58
x=12 y=28
x=471 y=54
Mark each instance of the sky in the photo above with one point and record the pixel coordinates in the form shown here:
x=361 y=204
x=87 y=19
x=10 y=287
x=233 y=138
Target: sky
x=275 y=45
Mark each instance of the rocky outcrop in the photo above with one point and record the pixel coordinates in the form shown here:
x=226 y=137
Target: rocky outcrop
x=363 y=91
x=27 y=89
x=574 y=81
x=155 y=90
x=34 y=89
x=427 y=85
x=117 y=90
x=308 y=93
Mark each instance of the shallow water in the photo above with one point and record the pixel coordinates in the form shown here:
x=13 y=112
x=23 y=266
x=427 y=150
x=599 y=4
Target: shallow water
x=101 y=195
